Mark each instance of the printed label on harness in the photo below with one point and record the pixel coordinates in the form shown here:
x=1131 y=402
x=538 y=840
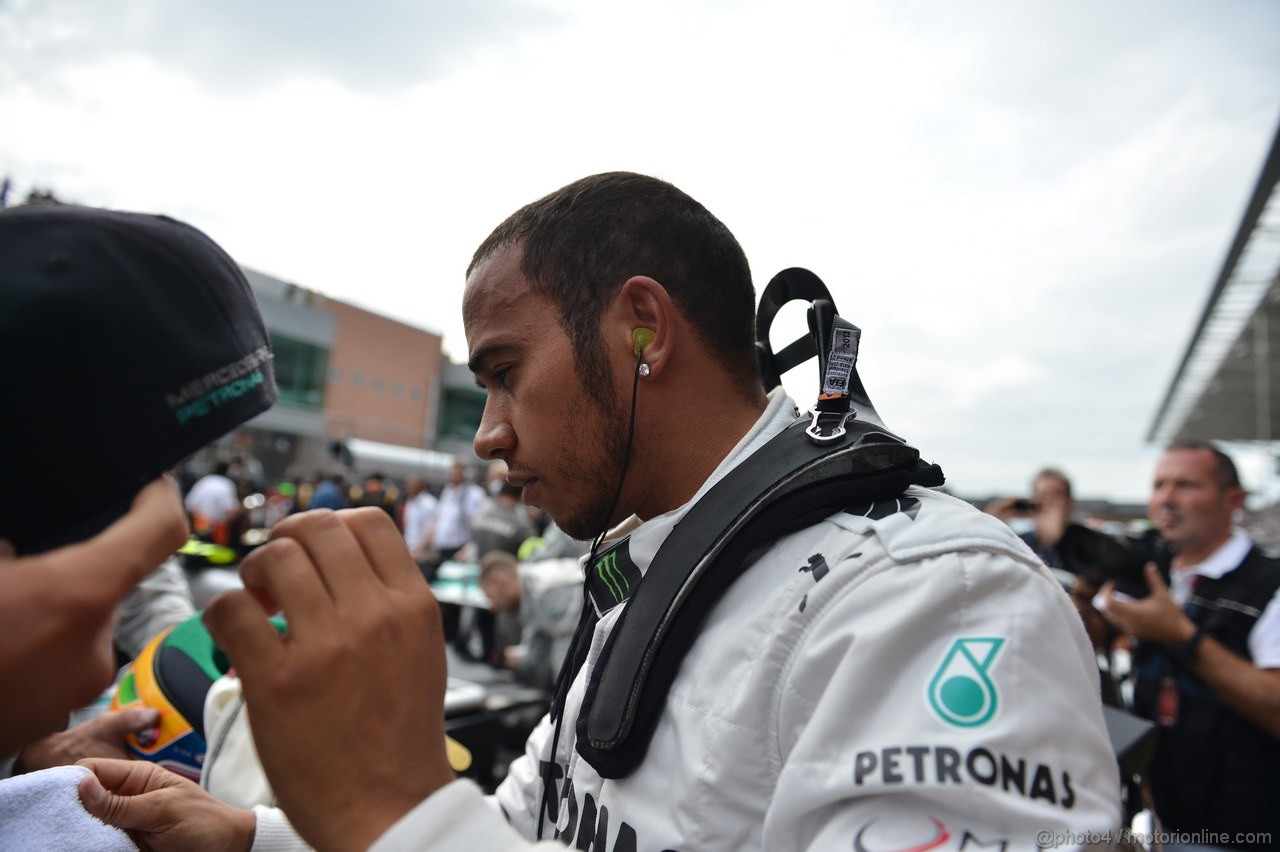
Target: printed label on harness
x=843 y=355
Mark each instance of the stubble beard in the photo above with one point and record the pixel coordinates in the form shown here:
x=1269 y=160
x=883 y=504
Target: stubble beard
x=599 y=471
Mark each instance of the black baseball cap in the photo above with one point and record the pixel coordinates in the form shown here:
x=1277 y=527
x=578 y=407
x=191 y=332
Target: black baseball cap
x=129 y=341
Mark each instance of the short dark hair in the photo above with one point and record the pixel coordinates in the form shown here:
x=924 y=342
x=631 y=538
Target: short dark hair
x=1054 y=473
x=1224 y=469
x=583 y=241
x=496 y=561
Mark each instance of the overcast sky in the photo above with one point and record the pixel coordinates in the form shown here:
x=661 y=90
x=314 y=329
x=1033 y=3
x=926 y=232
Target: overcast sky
x=1023 y=204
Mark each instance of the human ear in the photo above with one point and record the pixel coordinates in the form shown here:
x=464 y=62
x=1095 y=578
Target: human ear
x=642 y=316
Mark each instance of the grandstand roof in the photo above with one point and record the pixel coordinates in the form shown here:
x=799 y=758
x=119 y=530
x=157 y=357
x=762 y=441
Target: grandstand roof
x=1227 y=387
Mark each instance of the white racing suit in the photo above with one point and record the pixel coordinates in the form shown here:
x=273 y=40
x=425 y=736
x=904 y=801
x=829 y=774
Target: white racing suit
x=906 y=675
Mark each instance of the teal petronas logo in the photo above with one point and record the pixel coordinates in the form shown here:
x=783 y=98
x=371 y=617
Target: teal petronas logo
x=961 y=691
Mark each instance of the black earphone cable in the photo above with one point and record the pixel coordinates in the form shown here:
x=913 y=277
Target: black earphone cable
x=578 y=649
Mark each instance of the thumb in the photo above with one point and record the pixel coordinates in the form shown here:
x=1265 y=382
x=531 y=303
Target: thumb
x=6 y=549
x=108 y=807
x=132 y=810
x=131 y=720
x=126 y=812
x=92 y=794
x=1154 y=578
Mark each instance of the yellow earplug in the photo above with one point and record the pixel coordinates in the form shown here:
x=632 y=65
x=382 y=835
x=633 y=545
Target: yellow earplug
x=640 y=338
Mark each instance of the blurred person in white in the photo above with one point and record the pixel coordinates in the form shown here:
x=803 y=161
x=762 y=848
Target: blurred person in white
x=459 y=501
x=213 y=502
x=547 y=597
x=502 y=524
x=419 y=515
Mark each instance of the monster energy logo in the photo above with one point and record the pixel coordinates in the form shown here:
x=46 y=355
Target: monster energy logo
x=613 y=579
x=961 y=692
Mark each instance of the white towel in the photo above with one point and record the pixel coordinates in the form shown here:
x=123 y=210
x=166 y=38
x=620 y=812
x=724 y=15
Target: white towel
x=42 y=810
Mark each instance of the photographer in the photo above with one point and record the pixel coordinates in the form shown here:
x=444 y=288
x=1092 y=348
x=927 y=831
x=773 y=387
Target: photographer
x=1062 y=544
x=1208 y=654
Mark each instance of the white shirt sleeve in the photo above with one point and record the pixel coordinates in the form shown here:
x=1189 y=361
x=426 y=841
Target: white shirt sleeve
x=1264 y=638
x=456 y=818
x=476 y=498
x=161 y=600
x=273 y=832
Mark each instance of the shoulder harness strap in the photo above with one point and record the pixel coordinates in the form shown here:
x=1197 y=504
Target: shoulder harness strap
x=817 y=466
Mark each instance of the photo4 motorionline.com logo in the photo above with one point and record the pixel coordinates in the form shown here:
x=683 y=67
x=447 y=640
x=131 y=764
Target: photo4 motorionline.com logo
x=1071 y=839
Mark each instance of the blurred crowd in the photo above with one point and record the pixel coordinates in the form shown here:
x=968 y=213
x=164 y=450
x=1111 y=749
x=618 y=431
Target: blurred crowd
x=525 y=566
x=231 y=503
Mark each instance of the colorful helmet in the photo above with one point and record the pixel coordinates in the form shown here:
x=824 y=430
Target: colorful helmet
x=172 y=675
